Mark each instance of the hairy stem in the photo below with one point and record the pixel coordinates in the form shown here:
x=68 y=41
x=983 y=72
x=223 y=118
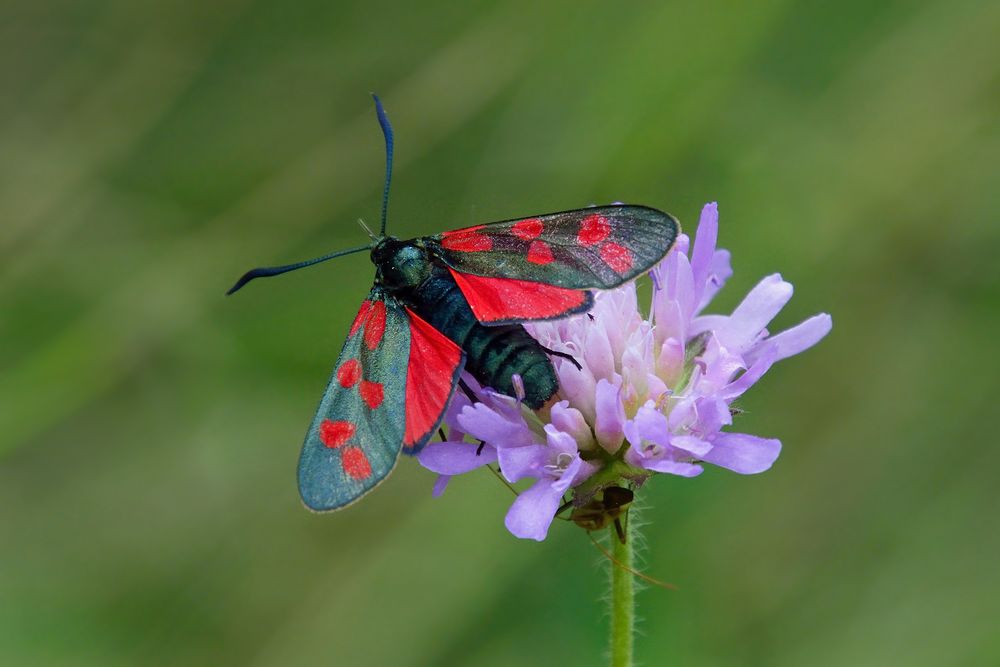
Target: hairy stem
x=622 y=599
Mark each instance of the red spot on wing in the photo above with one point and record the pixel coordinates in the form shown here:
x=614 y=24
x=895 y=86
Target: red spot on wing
x=431 y=374
x=504 y=299
x=527 y=229
x=375 y=326
x=594 y=229
x=359 y=319
x=617 y=257
x=371 y=393
x=539 y=252
x=349 y=373
x=466 y=240
x=335 y=433
x=355 y=463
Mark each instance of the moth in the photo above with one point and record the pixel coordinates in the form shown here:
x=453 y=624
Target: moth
x=450 y=303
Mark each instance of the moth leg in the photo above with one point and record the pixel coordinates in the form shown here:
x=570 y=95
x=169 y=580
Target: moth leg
x=441 y=433
x=563 y=355
x=479 y=450
x=565 y=506
x=620 y=530
x=467 y=390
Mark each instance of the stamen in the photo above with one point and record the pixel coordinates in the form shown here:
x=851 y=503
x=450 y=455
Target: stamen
x=518 y=383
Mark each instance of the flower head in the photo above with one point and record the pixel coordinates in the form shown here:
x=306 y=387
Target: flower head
x=649 y=394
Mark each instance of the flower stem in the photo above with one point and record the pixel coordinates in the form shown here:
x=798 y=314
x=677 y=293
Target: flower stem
x=622 y=599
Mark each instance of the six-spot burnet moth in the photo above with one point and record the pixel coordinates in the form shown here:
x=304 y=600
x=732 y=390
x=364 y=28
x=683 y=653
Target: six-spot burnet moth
x=450 y=303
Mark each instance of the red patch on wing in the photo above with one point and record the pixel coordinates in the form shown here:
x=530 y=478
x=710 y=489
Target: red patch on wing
x=617 y=257
x=503 y=299
x=539 y=252
x=594 y=229
x=335 y=433
x=371 y=393
x=527 y=229
x=359 y=319
x=431 y=373
x=375 y=326
x=355 y=463
x=349 y=373
x=466 y=240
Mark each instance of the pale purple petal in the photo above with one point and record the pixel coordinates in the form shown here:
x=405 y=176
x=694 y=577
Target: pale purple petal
x=652 y=425
x=484 y=423
x=610 y=416
x=559 y=442
x=570 y=420
x=680 y=284
x=796 y=339
x=743 y=453
x=718 y=365
x=670 y=321
x=617 y=312
x=713 y=414
x=662 y=463
x=506 y=406
x=458 y=402
x=704 y=247
x=691 y=444
x=440 y=484
x=721 y=272
x=679 y=468
x=597 y=353
x=455 y=458
x=516 y=463
x=578 y=386
x=759 y=307
x=703 y=323
x=637 y=360
x=533 y=511
x=655 y=387
x=684 y=416
x=582 y=470
x=736 y=388
x=670 y=362
x=632 y=435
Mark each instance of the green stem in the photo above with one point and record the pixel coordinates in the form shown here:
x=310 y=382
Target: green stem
x=622 y=599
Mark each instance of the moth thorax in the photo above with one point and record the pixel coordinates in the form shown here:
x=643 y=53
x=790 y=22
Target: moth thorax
x=400 y=264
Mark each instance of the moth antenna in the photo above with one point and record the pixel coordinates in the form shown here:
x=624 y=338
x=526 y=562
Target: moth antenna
x=617 y=563
x=367 y=229
x=383 y=121
x=268 y=271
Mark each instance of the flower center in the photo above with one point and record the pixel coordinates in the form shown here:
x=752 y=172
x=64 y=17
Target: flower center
x=561 y=463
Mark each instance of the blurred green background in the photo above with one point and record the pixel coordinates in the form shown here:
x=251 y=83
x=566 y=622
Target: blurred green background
x=150 y=428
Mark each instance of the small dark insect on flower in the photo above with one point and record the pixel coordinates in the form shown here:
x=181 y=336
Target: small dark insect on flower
x=611 y=506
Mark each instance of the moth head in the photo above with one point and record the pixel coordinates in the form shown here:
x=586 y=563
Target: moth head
x=400 y=264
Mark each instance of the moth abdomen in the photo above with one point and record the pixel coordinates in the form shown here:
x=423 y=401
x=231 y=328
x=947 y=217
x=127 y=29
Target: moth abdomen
x=493 y=353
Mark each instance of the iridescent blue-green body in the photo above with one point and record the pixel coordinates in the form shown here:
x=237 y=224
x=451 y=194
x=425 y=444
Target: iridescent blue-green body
x=494 y=354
